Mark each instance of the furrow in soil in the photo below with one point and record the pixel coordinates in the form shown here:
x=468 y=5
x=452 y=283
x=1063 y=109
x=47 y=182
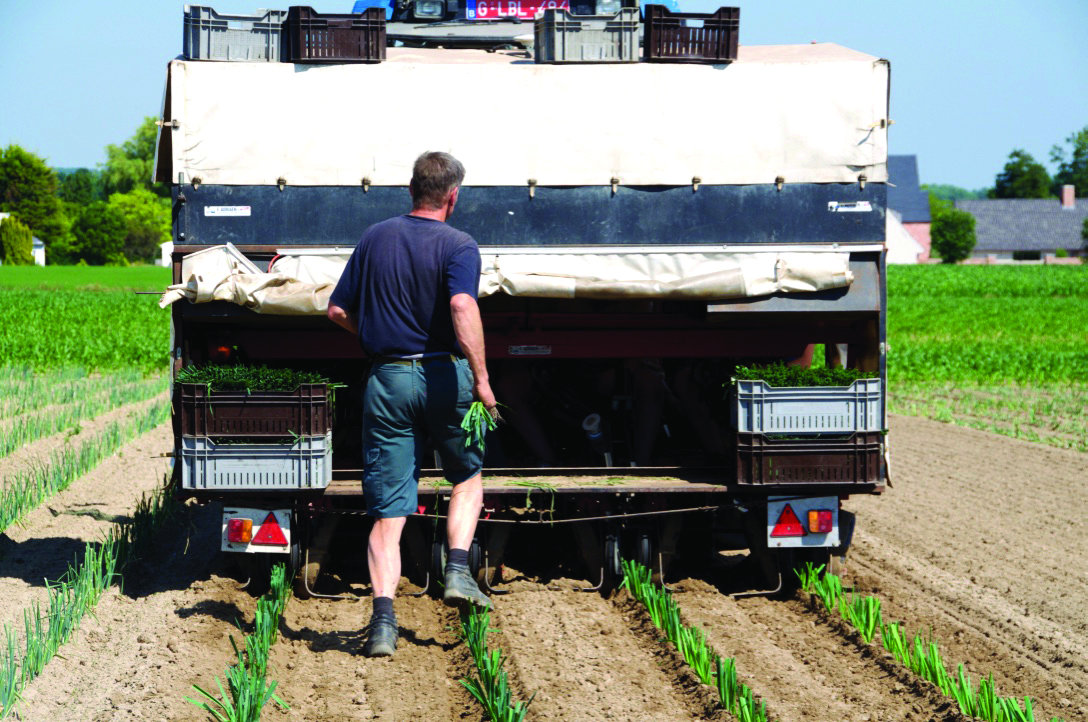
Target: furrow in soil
x=578 y=654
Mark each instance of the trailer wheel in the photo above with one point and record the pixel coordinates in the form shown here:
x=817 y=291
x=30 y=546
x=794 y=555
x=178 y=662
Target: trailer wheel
x=644 y=551
x=440 y=551
x=612 y=565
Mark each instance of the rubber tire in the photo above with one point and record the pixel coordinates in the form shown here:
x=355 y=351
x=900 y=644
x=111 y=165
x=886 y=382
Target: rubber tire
x=644 y=551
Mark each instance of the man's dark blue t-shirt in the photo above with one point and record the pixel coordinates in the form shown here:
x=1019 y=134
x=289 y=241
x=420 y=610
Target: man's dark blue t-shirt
x=399 y=282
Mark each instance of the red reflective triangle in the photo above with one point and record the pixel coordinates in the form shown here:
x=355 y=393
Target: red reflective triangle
x=271 y=533
x=787 y=525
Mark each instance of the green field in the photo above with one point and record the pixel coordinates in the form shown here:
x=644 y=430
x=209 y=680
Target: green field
x=84 y=278
x=1002 y=348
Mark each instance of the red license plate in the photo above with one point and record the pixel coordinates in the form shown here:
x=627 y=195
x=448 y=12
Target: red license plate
x=521 y=9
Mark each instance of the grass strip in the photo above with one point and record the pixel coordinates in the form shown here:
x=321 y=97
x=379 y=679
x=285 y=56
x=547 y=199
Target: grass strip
x=248 y=688
x=921 y=656
x=25 y=490
x=75 y=595
x=711 y=668
x=490 y=686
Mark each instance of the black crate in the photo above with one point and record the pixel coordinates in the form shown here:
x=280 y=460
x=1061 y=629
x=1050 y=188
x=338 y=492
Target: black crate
x=671 y=37
x=314 y=37
x=764 y=459
x=306 y=411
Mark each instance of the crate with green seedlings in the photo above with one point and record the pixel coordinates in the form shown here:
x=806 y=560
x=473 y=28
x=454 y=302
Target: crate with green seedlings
x=794 y=400
x=240 y=401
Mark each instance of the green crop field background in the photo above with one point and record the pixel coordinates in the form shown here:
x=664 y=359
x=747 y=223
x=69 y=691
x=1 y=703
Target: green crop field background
x=1001 y=348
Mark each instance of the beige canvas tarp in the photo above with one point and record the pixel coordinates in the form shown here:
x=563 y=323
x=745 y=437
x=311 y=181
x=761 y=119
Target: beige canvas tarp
x=808 y=114
x=301 y=284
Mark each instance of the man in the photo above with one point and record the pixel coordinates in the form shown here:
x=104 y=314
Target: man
x=409 y=292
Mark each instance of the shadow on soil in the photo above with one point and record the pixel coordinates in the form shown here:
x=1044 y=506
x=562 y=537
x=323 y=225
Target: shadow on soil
x=35 y=560
x=185 y=552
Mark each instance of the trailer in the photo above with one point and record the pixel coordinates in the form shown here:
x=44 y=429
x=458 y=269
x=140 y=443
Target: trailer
x=644 y=229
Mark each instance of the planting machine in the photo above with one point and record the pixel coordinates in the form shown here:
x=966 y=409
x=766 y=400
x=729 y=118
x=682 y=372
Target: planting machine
x=645 y=228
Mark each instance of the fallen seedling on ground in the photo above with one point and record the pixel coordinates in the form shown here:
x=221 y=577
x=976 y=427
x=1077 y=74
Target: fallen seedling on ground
x=920 y=656
x=710 y=667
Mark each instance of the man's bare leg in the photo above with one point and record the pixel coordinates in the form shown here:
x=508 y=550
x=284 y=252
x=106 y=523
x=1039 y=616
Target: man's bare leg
x=465 y=505
x=383 y=555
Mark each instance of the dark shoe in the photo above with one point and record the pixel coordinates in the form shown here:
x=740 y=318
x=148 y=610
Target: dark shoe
x=461 y=590
x=381 y=640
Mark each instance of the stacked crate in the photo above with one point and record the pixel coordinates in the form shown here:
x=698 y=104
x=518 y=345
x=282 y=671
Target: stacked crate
x=267 y=440
x=810 y=434
x=296 y=35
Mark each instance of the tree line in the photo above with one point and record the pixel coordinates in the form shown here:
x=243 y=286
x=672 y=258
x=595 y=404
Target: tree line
x=952 y=231
x=111 y=215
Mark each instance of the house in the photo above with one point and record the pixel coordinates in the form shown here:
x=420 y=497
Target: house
x=38 y=249
x=1027 y=229
x=38 y=252
x=909 y=202
x=902 y=246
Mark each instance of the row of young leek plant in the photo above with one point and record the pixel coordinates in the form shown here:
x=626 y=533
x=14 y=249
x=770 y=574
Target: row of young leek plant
x=75 y=595
x=248 y=688
x=23 y=389
x=921 y=656
x=489 y=686
x=710 y=667
x=25 y=490
x=31 y=427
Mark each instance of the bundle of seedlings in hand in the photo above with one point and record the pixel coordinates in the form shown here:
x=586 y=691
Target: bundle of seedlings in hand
x=477 y=422
x=490 y=687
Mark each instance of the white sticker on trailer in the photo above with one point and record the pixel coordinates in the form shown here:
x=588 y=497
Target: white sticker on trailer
x=226 y=210
x=851 y=207
x=530 y=350
x=801 y=507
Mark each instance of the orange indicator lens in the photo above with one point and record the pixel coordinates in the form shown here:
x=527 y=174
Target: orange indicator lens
x=239 y=531
x=819 y=521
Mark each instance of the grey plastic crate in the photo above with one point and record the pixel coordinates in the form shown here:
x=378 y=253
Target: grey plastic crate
x=762 y=409
x=560 y=37
x=212 y=36
x=305 y=464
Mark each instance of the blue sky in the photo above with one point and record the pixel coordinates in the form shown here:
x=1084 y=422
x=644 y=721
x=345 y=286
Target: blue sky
x=971 y=80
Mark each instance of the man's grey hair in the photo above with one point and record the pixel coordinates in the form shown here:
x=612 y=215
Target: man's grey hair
x=434 y=176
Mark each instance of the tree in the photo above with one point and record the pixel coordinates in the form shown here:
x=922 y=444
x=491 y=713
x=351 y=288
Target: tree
x=147 y=222
x=1074 y=169
x=1022 y=177
x=953 y=235
x=130 y=165
x=28 y=188
x=16 y=243
x=80 y=187
x=947 y=192
x=100 y=233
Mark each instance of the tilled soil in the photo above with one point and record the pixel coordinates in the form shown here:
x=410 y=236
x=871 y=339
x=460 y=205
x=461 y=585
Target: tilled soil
x=979 y=540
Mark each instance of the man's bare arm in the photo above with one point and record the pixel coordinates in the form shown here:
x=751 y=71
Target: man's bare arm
x=470 y=334
x=343 y=319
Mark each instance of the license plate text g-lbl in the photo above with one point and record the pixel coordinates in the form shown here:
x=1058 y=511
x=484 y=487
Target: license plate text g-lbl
x=521 y=9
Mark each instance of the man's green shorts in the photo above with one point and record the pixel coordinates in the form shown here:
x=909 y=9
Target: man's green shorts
x=406 y=403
